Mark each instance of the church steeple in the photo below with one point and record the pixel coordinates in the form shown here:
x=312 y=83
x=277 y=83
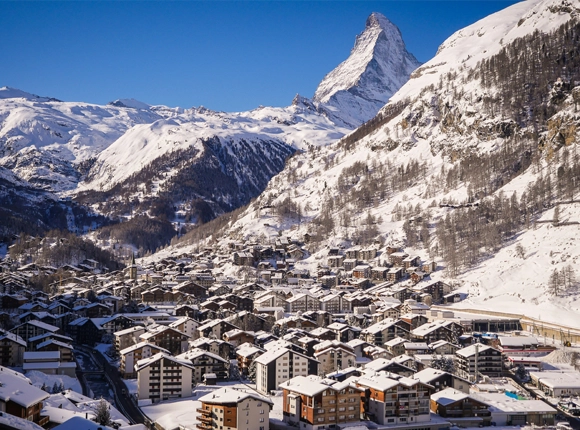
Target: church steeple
x=133 y=268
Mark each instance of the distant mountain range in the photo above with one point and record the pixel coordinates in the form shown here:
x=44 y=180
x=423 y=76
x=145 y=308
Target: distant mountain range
x=129 y=151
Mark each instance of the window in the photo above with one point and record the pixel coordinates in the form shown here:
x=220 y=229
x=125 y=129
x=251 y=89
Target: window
x=332 y=402
x=261 y=420
x=262 y=411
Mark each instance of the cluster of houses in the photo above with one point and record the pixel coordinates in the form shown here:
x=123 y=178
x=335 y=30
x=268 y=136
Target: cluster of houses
x=359 y=340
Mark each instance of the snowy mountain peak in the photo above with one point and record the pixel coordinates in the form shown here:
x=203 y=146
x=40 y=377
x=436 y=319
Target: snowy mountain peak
x=14 y=93
x=129 y=103
x=377 y=19
x=377 y=67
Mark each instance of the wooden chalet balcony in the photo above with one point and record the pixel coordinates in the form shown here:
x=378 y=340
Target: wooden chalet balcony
x=204 y=426
x=204 y=412
x=205 y=419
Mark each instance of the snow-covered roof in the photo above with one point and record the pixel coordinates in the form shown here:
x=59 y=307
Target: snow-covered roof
x=470 y=350
x=142 y=345
x=232 y=395
x=18 y=389
x=141 y=364
x=448 y=396
x=192 y=354
x=13 y=337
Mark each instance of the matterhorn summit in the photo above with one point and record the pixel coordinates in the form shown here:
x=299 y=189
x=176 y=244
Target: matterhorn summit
x=377 y=67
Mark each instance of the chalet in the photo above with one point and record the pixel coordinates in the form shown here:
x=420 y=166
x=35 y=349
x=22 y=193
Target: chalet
x=191 y=288
x=65 y=349
x=20 y=398
x=167 y=338
x=440 y=380
x=302 y=303
x=215 y=328
x=12 y=349
x=215 y=346
x=203 y=362
x=390 y=366
x=396 y=346
x=379 y=274
x=33 y=328
x=186 y=325
x=344 y=332
x=85 y=331
x=237 y=337
x=432 y=332
x=243 y=258
x=458 y=407
x=384 y=331
x=246 y=354
x=442 y=347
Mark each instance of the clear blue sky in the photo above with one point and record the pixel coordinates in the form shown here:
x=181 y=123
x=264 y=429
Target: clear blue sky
x=223 y=55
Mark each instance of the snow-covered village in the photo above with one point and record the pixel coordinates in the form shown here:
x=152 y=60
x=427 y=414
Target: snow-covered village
x=398 y=252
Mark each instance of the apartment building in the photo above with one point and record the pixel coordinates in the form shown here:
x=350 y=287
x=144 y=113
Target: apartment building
x=313 y=403
x=168 y=338
x=187 y=325
x=232 y=409
x=128 y=337
x=394 y=400
x=334 y=355
x=12 y=349
x=476 y=360
x=280 y=364
x=204 y=362
x=385 y=330
x=134 y=353
x=162 y=377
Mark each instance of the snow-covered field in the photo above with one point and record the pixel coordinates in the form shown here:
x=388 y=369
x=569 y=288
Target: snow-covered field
x=39 y=379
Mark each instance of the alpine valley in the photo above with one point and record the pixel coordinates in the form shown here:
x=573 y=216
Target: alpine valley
x=470 y=160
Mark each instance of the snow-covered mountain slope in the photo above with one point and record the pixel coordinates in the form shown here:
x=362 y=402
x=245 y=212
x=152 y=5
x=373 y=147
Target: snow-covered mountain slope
x=24 y=208
x=377 y=67
x=463 y=165
x=65 y=132
x=44 y=140
x=485 y=38
x=297 y=126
